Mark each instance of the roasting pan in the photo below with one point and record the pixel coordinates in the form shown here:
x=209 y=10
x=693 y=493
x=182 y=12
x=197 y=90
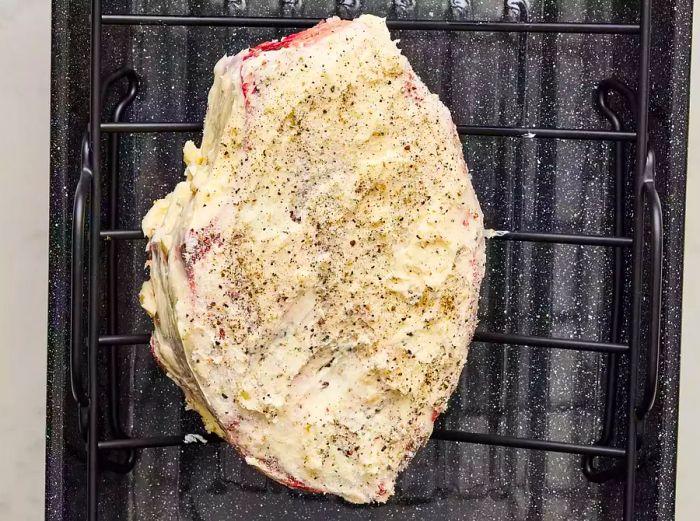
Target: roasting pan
x=573 y=116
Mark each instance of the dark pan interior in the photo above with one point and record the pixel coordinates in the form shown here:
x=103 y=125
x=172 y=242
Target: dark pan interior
x=529 y=184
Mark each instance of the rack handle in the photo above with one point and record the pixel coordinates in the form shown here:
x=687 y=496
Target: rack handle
x=650 y=196
x=79 y=248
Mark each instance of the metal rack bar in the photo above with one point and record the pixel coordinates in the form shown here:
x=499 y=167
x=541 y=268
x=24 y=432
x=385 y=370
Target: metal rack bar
x=122 y=235
x=480 y=336
x=94 y=277
x=464 y=130
x=563 y=238
x=124 y=340
x=447 y=435
x=155 y=441
x=526 y=443
x=151 y=127
x=555 y=343
x=554 y=238
x=416 y=25
x=642 y=114
x=554 y=133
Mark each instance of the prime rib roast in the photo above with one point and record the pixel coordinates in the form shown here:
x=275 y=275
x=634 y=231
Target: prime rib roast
x=314 y=280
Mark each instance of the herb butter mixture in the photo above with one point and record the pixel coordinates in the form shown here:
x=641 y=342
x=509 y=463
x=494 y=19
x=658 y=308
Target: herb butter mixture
x=314 y=280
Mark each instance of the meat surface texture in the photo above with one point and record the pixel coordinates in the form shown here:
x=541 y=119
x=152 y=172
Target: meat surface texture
x=314 y=281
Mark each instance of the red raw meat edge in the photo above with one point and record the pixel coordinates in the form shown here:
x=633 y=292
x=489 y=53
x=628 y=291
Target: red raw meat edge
x=294 y=483
x=313 y=34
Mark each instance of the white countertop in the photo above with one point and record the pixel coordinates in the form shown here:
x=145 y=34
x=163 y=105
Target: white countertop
x=24 y=212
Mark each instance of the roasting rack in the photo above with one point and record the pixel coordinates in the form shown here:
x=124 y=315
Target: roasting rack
x=90 y=240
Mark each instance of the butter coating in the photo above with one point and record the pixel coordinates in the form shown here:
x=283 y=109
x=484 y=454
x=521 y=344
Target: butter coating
x=314 y=280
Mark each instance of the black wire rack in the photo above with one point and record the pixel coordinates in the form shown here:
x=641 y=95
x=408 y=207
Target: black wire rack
x=646 y=244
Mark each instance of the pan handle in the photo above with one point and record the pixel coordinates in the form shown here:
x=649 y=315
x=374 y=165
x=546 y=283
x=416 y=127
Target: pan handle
x=79 y=248
x=651 y=197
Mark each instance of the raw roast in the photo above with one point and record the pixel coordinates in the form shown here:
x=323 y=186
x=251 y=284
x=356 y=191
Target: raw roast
x=314 y=281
